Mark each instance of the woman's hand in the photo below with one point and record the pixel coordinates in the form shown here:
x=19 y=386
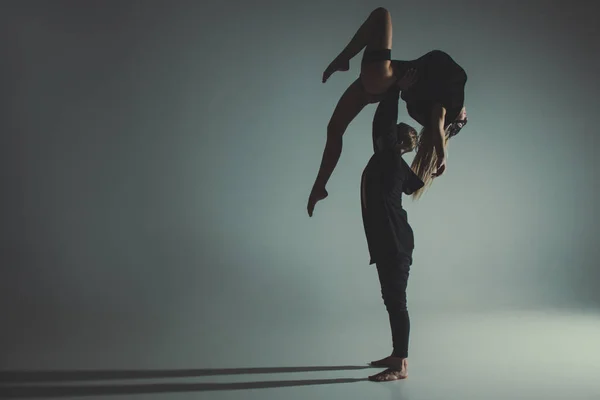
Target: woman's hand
x=440 y=166
x=409 y=79
x=317 y=193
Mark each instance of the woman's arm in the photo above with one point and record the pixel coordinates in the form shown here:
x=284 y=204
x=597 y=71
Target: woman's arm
x=438 y=118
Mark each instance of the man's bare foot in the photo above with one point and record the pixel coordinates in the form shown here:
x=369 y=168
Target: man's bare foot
x=388 y=362
x=389 y=375
x=398 y=369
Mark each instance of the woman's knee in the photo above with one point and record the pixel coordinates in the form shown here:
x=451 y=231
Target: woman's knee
x=380 y=13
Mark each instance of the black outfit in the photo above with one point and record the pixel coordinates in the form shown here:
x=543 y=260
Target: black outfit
x=389 y=236
x=440 y=80
x=387 y=176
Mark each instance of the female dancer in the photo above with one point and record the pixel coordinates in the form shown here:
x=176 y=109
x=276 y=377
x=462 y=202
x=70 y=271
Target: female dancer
x=436 y=101
x=389 y=236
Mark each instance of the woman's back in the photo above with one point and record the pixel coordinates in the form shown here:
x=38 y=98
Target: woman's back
x=441 y=80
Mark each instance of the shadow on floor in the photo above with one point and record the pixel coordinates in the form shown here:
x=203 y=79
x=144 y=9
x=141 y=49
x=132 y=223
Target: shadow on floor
x=13 y=384
x=13 y=377
x=21 y=392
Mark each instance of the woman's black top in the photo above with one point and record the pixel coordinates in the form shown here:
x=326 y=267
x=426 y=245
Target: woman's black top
x=440 y=80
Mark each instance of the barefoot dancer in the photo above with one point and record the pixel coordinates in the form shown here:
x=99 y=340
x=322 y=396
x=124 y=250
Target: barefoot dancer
x=389 y=235
x=436 y=101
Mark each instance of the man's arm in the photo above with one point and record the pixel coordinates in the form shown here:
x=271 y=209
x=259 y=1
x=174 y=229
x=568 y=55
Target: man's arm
x=386 y=119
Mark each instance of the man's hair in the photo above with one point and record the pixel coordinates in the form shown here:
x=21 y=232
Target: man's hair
x=407 y=137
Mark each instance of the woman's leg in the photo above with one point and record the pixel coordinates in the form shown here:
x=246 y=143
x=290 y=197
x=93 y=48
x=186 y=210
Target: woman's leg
x=350 y=104
x=375 y=34
x=393 y=277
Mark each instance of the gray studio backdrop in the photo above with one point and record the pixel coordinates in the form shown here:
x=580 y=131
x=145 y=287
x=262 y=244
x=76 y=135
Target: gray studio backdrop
x=157 y=157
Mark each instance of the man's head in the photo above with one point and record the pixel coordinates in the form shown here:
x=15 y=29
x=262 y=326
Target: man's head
x=407 y=138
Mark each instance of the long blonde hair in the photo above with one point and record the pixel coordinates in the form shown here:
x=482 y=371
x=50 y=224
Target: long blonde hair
x=424 y=163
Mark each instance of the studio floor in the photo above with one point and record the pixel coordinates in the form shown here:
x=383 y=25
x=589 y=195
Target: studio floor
x=506 y=355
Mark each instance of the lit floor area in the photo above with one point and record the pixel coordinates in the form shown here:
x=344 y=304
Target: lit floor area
x=510 y=355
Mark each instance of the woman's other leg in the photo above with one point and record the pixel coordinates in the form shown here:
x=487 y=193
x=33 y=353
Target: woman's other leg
x=375 y=36
x=349 y=105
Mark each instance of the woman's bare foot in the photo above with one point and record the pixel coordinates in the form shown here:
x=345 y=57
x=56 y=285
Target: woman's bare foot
x=339 y=64
x=398 y=369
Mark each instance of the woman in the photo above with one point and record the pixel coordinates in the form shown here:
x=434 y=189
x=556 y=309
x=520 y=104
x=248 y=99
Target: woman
x=389 y=236
x=436 y=101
